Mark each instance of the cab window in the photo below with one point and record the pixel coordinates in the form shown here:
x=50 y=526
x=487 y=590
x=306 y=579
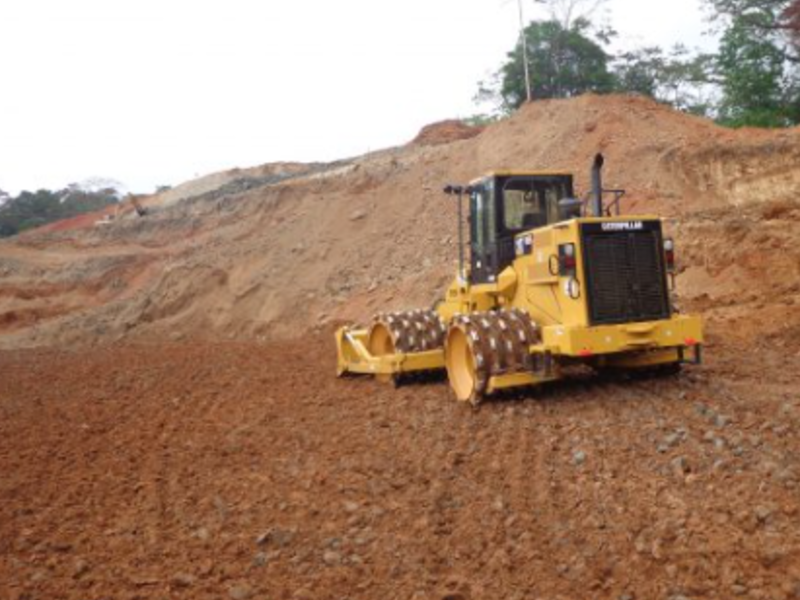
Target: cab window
x=524 y=209
x=482 y=219
x=478 y=217
x=528 y=203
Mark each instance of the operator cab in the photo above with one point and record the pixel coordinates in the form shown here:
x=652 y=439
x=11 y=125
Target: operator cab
x=503 y=205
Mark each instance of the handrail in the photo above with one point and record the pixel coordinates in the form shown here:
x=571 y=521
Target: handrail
x=614 y=204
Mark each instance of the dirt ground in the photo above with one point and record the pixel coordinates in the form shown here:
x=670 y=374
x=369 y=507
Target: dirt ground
x=170 y=425
x=237 y=470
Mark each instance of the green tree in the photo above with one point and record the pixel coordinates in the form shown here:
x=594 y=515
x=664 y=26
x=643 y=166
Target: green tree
x=640 y=71
x=685 y=79
x=758 y=88
x=33 y=209
x=778 y=20
x=764 y=16
x=564 y=63
x=76 y=199
x=791 y=19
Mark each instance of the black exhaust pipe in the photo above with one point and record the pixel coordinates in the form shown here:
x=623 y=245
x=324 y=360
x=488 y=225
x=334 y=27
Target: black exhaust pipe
x=597 y=186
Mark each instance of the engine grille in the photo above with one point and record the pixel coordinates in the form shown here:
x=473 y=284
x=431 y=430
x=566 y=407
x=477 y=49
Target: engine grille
x=625 y=273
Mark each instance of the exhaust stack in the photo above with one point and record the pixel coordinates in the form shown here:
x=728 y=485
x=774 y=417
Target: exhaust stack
x=597 y=186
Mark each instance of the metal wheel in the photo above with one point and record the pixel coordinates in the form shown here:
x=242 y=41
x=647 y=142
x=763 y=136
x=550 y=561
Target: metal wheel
x=460 y=360
x=482 y=345
x=403 y=333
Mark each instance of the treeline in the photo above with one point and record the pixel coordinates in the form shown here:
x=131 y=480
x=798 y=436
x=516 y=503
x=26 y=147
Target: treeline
x=752 y=79
x=34 y=209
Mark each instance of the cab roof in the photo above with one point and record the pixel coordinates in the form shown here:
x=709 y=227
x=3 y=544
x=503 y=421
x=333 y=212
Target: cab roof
x=512 y=173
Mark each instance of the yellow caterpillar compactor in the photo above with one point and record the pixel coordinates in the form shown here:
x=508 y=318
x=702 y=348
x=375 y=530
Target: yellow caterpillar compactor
x=552 y=282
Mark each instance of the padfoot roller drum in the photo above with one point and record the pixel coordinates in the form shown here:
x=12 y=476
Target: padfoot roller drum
x=405 y=332
x=483 y=345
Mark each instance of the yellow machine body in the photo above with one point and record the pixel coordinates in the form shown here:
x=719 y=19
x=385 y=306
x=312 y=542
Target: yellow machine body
x=354 y=357
x=532 y=283
x=557 y=302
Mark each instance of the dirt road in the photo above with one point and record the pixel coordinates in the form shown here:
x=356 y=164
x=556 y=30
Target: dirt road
x=245 y=471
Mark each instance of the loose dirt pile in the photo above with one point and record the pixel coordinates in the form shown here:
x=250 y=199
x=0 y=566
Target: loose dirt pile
x=445 y=132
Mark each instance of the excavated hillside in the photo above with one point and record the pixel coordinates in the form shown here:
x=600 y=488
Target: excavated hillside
x=171 y=427
x=271 y=252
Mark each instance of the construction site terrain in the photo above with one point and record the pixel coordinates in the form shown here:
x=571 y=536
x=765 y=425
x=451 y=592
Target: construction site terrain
x=171 y=426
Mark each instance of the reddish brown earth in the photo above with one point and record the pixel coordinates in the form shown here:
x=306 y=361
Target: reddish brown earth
x=445 y=132
x=237 y=470
x=170 y=425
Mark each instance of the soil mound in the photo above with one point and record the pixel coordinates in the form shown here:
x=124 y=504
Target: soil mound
x=445 y=132
x=280 y=249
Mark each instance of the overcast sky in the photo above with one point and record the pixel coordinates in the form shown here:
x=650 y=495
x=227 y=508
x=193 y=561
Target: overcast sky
x=153 y=92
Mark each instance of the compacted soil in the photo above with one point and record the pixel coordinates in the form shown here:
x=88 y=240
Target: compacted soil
x=243 y=470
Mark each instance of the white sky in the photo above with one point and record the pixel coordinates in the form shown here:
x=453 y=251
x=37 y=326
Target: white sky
x=152 y=92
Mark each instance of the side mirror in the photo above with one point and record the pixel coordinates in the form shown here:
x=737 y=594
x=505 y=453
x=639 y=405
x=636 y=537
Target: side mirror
x=459 y=190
